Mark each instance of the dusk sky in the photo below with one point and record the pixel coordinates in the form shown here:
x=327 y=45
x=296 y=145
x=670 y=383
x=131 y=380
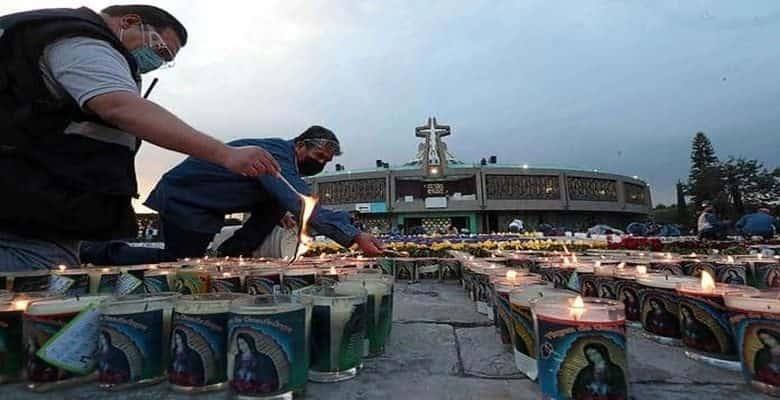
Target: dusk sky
x=621 y=86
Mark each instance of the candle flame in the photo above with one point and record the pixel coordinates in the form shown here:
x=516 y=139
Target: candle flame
x=574 y=258
x=566 y=261
x=333 y=270
x=668 y=255
x=730 y=259
x=597 y=264
x=621 y=265
x=577 y=308
x=206 y=257
x=322 y=256
x=226 y=274
x=693 y=254
x=760 y=256
x=715 y=251
x=641 y=269
x=707 y=283
x=511 y=275
x=303 y=238
x=641 y=254
x=152 y=267
x=105 y=270
x=62 y=267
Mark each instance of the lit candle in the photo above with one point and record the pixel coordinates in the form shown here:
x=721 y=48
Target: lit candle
x=571 y=331
x=159 y=281
x=135 y=329
x=226 y=282
x=755 y=319
x=338 y=328
x=70 y=282
x=200 y=331
x=192 y=281
x=704 y=321
x=59 y=341
x=659 y=306
x=13 y=351
x=27 y=281
x=499 y=299
x=103 y=280
x=294 y=279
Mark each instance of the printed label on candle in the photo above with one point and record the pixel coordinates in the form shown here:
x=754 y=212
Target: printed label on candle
x=108 y=282
x=666 y=267
x=695 y=268
x=337 y=339
x=59 y=284
x=588 y=285
x=659 y=308
x=503 y=318
x=37 y=331
x=523 y=340
x=297 y=282
x=704 y=325
x=12 y=350
x=764 y=275
x=263 y=284
x=31 y=283
x=731 y=274
x=379 y=317
x=628 y=293
x=128 y=284
x=267 y=353
x=156 y=283
x=558 y=276
x=190 y=282
x=578 y=361
x=428 y=270
x=198 y=349
x=758 y=341
x=231 y=284
x=72 y=348
x=607 y=288
x=130 y=347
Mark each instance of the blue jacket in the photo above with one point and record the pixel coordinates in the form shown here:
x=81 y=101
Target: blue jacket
x=196 y=195
x=757 y=223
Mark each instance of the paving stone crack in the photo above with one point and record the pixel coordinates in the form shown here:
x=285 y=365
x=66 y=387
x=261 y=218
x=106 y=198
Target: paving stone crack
x=454 y=324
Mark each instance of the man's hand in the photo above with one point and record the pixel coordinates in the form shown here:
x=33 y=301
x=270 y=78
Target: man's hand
x=250 y=161
x=288 y=221
x=370 y=245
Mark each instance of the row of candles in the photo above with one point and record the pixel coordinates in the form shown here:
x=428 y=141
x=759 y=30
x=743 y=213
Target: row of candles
x=567 y=323
x=261 y=346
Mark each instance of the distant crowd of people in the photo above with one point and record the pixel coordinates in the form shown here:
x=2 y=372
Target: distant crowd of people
x=759 y=223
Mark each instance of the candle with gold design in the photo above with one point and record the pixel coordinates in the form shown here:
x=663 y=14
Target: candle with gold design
x=13 y=350
x=659 y=306
x=501 y=287
x=263 y=281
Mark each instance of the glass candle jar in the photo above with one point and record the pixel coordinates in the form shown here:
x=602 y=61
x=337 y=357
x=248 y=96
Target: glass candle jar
x=523 y=334
x=756 y=322
x=199 y=342
x=159 y=281
x=133 y=344
x=298 y=278
x=338 y=330
x=500 y=289
x=227 y=281
x=379 y=311
x=192 y=280
x=103 y=280
x=659 y=306
x=59 y=341
x=264 y=281
x=267 y=356
x=581 y=348
x=13 y=350
x=26 y=281
x=69 y=281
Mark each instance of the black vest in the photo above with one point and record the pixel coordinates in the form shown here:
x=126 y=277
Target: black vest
x=60 y=175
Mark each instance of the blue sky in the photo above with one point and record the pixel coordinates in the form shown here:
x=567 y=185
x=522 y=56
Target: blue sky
x=621 y=86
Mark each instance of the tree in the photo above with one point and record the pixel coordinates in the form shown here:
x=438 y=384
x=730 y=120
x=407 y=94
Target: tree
x=682 y=208
x=704 y=180
x=748 y=183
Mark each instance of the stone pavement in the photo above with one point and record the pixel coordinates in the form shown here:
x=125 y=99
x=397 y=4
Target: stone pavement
x=441 y=348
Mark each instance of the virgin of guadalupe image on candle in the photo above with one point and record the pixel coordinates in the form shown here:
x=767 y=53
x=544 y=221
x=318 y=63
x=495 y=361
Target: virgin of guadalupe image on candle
x=766 y=361
x=589 y=288
x=772 y=277
x=630 y=299
x=592 y=371
x=113 y=358
x=606 y=291
x=658 y=319
x=188 y=367
x=696 y=331
x=260 y=365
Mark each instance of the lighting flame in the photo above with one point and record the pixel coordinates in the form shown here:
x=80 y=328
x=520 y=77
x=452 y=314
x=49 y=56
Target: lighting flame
x=511 y=275
x=577 y=308
x=21 y=304
x=707 y=283
x=304 y=239
x=641 y=269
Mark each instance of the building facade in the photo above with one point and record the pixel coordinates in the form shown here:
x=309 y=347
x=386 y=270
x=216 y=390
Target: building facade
x=435 y=190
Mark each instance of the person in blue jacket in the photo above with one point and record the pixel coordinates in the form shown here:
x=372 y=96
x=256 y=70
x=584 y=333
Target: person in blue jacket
x=193 y=198
x=759 y=223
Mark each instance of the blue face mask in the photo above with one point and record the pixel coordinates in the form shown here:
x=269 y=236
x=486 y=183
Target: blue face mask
x=147 y=59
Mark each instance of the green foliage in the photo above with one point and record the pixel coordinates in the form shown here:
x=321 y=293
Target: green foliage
x=704 y=180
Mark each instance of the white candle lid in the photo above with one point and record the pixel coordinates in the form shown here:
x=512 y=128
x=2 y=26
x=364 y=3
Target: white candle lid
x=664 y=281
x=767 y=301
x=594 y=310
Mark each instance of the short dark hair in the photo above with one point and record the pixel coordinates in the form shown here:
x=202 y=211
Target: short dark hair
x=154 y=16
x=317 y=133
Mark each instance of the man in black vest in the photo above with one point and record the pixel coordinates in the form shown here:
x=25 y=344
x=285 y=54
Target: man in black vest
x=71 y=121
